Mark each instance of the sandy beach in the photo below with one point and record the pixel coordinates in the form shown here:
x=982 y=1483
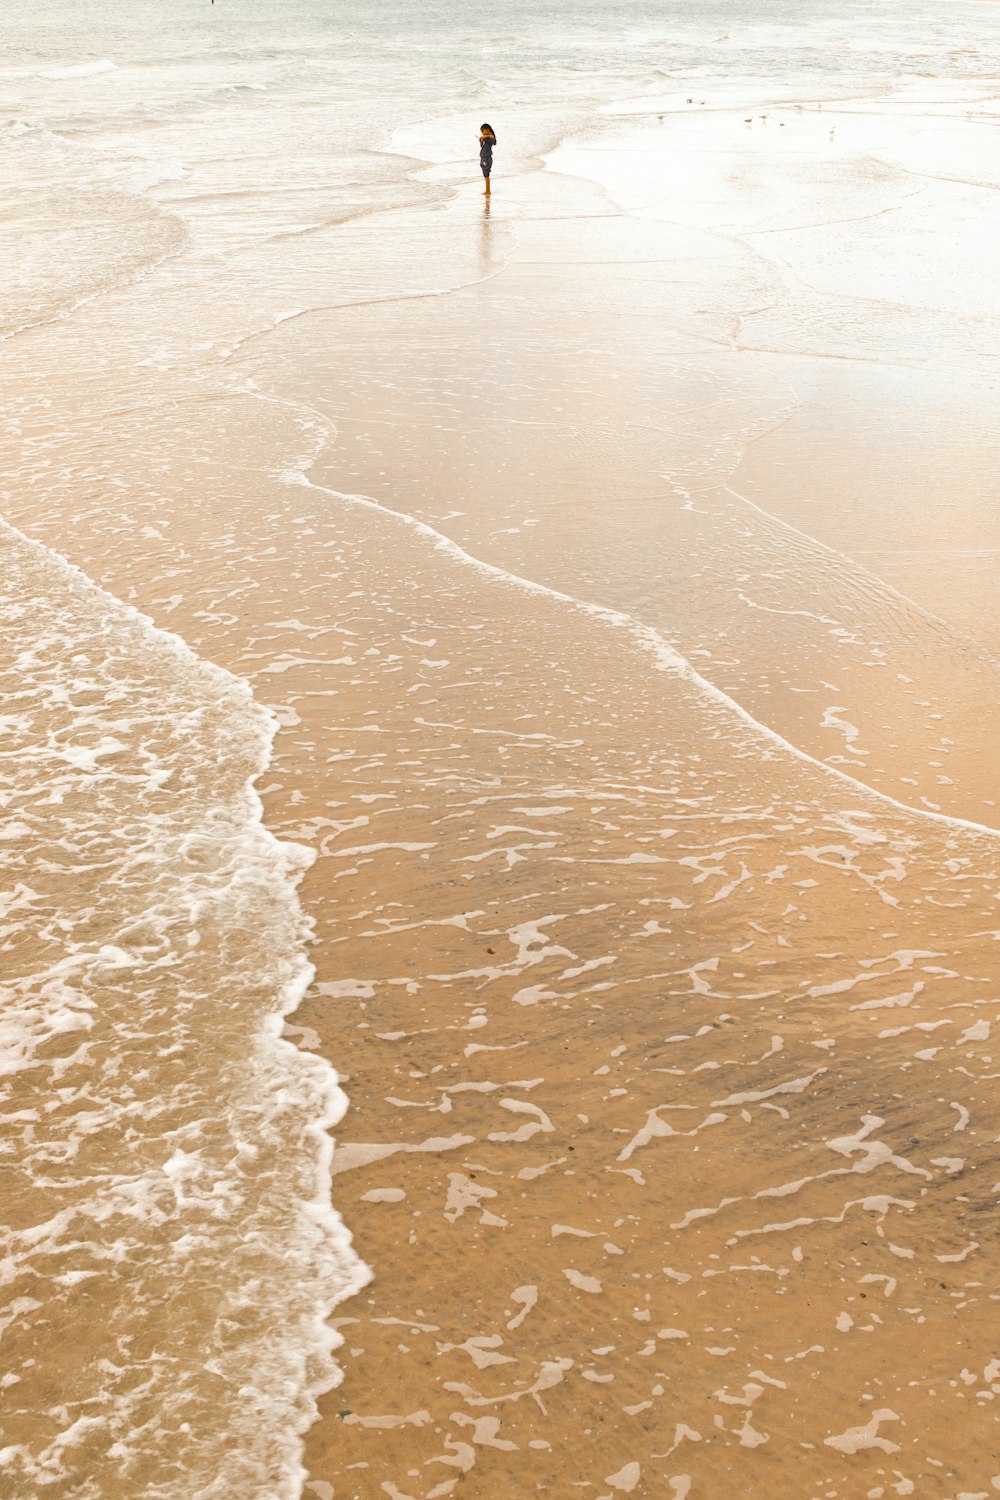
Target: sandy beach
x=618 y=559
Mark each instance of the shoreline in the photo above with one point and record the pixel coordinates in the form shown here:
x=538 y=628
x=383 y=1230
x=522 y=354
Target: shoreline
x=713 y=1046
x=524 y=778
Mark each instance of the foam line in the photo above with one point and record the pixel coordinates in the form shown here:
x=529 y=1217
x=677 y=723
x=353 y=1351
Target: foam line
x=281 y=861
x=668 y=658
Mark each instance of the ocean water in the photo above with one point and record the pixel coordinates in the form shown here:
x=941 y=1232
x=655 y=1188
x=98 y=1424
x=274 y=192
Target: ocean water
x=155 y=1123
x=224 y=226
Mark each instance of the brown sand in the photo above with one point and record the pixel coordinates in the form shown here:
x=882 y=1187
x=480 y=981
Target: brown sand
x=669 y=1055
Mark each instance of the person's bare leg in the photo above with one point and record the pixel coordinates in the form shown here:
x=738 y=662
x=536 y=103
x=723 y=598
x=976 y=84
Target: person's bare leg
x=487 y=188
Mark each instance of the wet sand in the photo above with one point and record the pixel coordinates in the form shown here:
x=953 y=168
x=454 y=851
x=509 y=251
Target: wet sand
x=669 y=1050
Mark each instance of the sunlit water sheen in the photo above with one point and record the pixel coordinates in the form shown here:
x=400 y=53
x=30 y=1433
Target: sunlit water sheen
x=678 y=859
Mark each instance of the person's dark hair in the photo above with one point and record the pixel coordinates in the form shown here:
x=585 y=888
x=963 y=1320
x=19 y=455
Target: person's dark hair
x=487 y=127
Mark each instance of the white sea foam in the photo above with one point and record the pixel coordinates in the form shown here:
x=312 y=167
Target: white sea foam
x=183 y=1183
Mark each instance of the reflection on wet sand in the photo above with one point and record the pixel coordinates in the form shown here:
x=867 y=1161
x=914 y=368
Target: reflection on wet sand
x=669 y=1059
x=670 y=1048
x=682 y=1091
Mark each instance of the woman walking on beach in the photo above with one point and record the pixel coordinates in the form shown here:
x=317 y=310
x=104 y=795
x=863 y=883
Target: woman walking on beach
x=487 y=140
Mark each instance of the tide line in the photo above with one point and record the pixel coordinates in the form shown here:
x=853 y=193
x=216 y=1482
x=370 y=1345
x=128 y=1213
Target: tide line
x=668 y=658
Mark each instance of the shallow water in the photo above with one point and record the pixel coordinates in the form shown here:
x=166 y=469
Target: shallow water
x=166 y=1162
x=618 y=564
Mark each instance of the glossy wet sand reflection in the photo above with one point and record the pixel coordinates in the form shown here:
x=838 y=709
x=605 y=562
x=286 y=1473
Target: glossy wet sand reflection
x=669 y=1059
x=671 y=1051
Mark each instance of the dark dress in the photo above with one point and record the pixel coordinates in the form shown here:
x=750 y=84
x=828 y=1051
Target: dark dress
x=486 y=154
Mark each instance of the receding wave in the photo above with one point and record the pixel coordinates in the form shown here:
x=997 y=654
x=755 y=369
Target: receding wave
x=81 y=69
x=166 y=1152
x=115 y=236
